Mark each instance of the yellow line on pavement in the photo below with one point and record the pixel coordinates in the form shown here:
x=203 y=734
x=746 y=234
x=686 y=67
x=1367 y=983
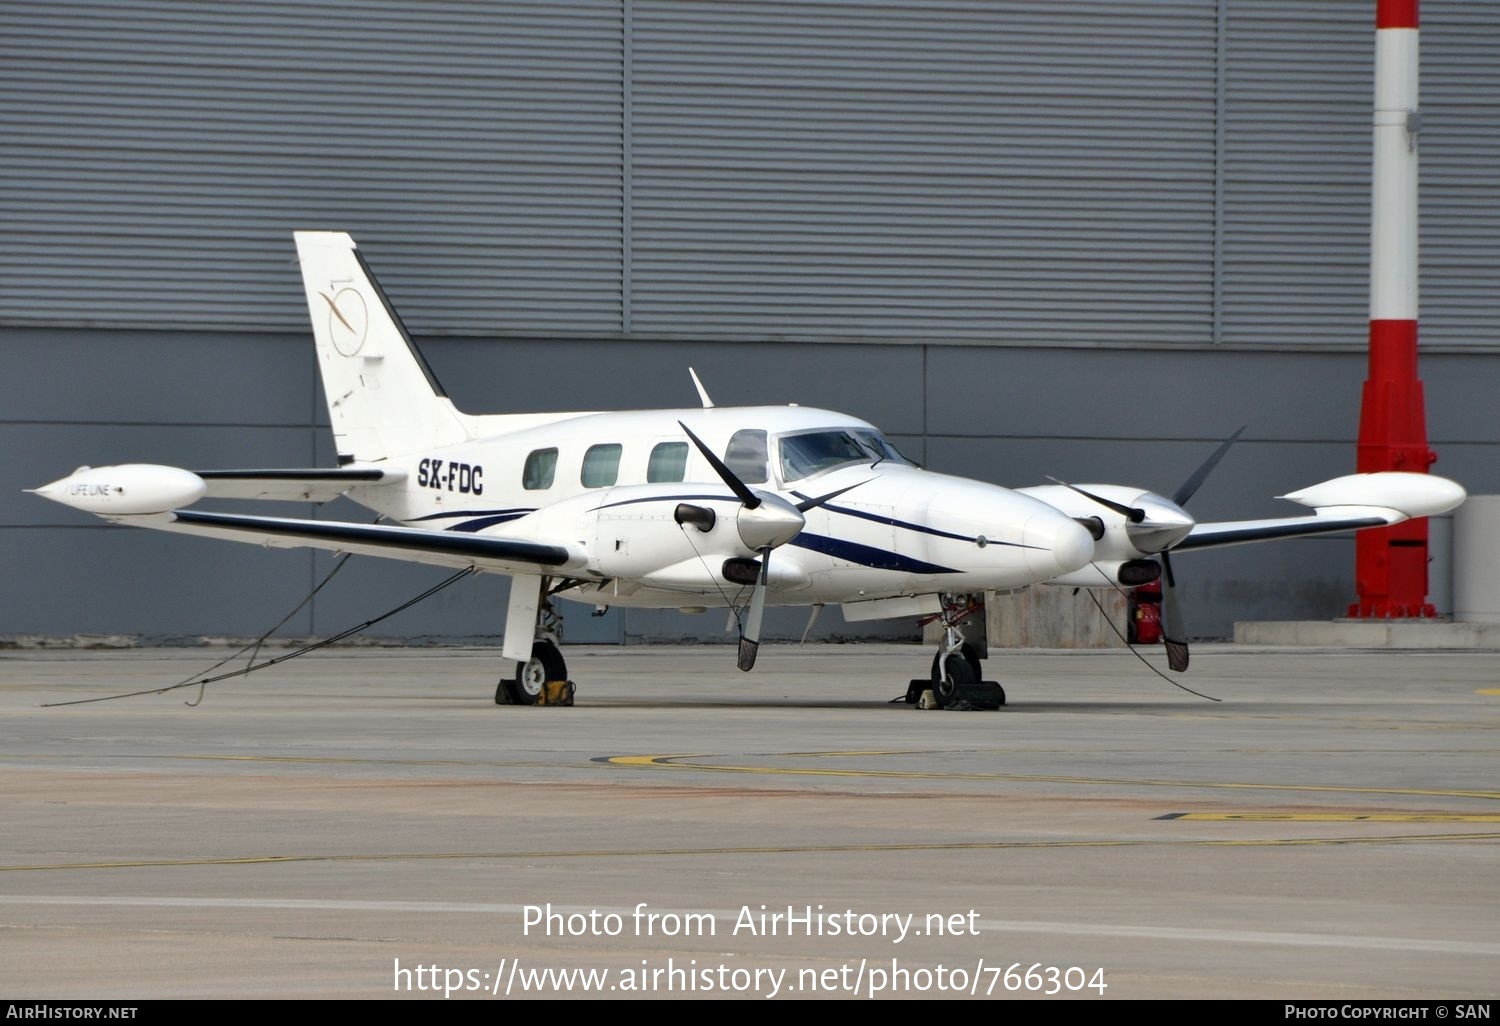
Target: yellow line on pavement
x=1336 y=817
x=681 y=762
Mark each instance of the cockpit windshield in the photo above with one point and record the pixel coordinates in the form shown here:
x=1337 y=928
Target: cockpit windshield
x=877 y=443
x=810 y=452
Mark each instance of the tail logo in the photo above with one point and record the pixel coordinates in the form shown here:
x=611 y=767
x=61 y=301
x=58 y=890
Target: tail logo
x=348 y=320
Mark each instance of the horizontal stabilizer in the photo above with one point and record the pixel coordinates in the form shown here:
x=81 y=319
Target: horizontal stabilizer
x=296 y=484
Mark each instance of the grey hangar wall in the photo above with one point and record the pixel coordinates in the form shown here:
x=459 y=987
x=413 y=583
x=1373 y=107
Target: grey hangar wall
x=1086 y=240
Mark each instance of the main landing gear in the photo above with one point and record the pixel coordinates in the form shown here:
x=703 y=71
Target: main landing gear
x=957 y=680
x=543 y=678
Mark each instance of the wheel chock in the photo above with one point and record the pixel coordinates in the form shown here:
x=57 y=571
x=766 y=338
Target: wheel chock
x=928 y=700
x=556 y=692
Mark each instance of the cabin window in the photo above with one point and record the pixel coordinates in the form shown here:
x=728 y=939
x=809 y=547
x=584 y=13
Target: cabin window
x=601 y=465
x=540 y=469
x=746 y=455
x=668 y=463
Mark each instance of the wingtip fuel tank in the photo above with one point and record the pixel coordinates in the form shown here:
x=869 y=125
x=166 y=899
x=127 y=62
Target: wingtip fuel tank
x=129 y=489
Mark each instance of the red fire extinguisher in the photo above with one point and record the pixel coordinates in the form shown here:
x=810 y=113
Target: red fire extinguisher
x=1145 y=623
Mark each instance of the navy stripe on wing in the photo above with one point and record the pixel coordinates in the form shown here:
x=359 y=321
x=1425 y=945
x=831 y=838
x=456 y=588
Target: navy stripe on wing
x=414 y=539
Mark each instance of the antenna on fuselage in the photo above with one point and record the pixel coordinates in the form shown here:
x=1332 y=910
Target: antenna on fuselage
x=708 y=403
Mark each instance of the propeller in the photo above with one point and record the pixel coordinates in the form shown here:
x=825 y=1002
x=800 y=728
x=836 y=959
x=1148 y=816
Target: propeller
x=1173 y=622
x=771 y=521
x=1174 y=626
x=1195 y=481
x=1174 y=632
x=807 y=504
x=741 y=490
x=774 y=522
x=1133 y=514
x=1158 y=523
x=750 y=635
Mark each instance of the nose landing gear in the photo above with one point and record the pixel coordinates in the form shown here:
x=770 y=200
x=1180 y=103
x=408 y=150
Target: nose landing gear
x=957 y=677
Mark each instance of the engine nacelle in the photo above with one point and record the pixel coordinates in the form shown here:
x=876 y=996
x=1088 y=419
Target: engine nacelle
x=1158 y=523
x=646 y=531
x=1120 y=573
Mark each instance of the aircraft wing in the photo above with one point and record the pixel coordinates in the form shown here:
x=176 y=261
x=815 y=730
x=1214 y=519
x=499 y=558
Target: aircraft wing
x=1240 y=532
x=412 y=544
x=1347 y=503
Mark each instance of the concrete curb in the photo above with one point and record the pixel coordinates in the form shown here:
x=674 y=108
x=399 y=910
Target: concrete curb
x=1411 y=634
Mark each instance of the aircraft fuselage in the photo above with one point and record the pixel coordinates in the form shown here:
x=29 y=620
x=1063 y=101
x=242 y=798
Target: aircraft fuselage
x=607 y=483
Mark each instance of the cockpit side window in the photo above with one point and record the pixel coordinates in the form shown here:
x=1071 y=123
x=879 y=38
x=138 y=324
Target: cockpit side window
x=746 y=456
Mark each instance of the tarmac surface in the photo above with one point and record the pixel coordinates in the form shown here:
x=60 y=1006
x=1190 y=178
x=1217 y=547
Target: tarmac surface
x=1329 y=830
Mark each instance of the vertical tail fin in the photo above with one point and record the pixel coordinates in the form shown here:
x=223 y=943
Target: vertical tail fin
x=382 y=397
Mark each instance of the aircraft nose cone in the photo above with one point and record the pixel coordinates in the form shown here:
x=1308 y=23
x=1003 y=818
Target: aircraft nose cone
x=1056 y=544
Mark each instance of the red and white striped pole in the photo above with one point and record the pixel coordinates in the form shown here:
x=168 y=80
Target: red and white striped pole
x=1391 y=563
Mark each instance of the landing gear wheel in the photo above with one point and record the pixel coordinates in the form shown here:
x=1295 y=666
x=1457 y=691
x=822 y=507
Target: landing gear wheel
x=970 y=656
x=949 y=686
x=546 y=663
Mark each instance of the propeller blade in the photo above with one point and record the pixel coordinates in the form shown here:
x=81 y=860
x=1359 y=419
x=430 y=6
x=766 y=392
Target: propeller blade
x=750 y=638
x=1130 y=513
x=1174 y=630
x=807 y=504
x=1192 y=484
x=742 y=491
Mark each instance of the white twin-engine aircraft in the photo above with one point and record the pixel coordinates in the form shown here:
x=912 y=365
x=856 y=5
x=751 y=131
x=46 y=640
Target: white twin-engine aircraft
x=688 y=508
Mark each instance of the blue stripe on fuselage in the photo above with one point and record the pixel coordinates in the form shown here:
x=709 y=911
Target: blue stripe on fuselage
x=867 y=555
x=479 y=524
x=922 y=528
x=664 y=498
x=450 y=514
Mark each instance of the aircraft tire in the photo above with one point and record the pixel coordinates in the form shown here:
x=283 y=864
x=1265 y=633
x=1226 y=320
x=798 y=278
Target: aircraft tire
x=970 y=656
x=958 y=674
x=546 y=663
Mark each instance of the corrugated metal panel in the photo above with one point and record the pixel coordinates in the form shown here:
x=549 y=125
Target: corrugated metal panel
x=159 y=154
x=1009 y=171
x=1296 y=230
x=1297 y=173
x=1460 y=154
